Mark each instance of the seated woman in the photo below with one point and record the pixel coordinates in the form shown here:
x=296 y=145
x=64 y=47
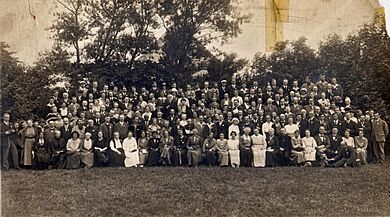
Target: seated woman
x=273 y=152
x=234 y=152
x=246 y=154
x=57 y=150
x=116 y=155
x=309 y=143
x=41 y=153
x=72 y=151
x=209 y=148
x=298 y=150
x=154 y=151
x=166 y=144
x=222 y=148
x=131 y=151
x=361 y=147
x=259 y=145
x=143 y=149
x=86 y=151
x=349 y=141
x=100 y=150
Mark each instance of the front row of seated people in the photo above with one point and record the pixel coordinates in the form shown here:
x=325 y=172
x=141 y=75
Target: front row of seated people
x=248 y=150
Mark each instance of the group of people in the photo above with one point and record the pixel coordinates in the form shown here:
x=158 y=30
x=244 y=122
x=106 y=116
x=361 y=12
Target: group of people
x=237 y=123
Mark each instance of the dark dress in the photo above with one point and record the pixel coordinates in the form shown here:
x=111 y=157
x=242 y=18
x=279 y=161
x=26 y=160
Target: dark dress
x=42 y=155
x=273 y=157
x=101 y=158
x=116 y=159
x=57 y=150
x=154 y=152
x=246 y=153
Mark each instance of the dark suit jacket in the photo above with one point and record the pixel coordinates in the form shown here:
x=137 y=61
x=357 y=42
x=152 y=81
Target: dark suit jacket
x=66 y=134
x=334 y=143
x=122 y=129
x=352 y=126
x=108 y=130
x=325 y=142
x=380 y=130
x=273 y=143
x=5 y=139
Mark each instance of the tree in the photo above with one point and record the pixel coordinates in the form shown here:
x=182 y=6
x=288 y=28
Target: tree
x=24 y=89
x=224 y=66
x=70 y=28
x=191 y=26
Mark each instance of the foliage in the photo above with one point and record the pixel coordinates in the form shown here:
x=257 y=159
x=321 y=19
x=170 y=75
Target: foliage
x=24 y=89
x=191 y=26
x=360 y=62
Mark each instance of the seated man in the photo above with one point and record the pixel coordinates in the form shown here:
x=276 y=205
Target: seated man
x=346 y=157
x=179 y=152
x=334 y=143
x=194 y=145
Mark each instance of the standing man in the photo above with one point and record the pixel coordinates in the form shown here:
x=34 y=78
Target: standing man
x=6 y=130
x=380 y=130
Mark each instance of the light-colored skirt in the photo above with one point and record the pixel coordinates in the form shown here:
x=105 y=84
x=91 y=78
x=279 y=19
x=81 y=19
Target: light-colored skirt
x=234 y=157
x=132 y=159
x=297 y=156
x=223 y=158
x=143 y=156
x=27 y=152
x=362 y=155
x=87 y=158
x=258 y=156
x=310 y=155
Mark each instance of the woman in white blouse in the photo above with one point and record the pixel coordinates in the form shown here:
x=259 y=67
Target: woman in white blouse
x=310 y=145
x=259 y=146
x=131 y=151
x=86 y=151
x=234 y=127
x=116 y=153
x=234 y=152
x=291 y=127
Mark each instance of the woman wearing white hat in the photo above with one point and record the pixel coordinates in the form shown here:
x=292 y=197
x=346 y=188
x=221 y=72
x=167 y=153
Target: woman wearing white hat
x=234 y=127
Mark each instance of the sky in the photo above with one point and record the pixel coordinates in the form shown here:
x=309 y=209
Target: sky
x=386 y=4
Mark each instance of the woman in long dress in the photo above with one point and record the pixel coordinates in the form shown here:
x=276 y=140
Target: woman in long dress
x=100 y=150
x=259 y=146
x=234 y=152
x=87 y=151
x=143 y=149
x=361 y=147
x=72 y=151
x=310 y=148
x=41 y=153
x=116 y=153
x=131 y=151
x=29 y=135
x=246 y=154
x=222 y=150
x=298 y=149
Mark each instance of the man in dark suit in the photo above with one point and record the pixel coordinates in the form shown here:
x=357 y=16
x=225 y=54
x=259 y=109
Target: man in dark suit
x=66 y=130
x=107 y=128
x=335 y=122
x=380 y=130
x=179 y=152
x=194 y=147
x=349 y=124
x=313 y=124
x=221 y=126
x=136 y=127
x=322 y=141
x=6 y=129
x=122 y=127
x=334 y=143
x=285 y=147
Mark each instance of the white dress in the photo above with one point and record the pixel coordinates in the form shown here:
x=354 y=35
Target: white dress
x=259 y=146
x=131 y=152
x=234 y=152
x=310 y=148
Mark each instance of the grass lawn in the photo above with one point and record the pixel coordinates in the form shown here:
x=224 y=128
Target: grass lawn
x=199 y=191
